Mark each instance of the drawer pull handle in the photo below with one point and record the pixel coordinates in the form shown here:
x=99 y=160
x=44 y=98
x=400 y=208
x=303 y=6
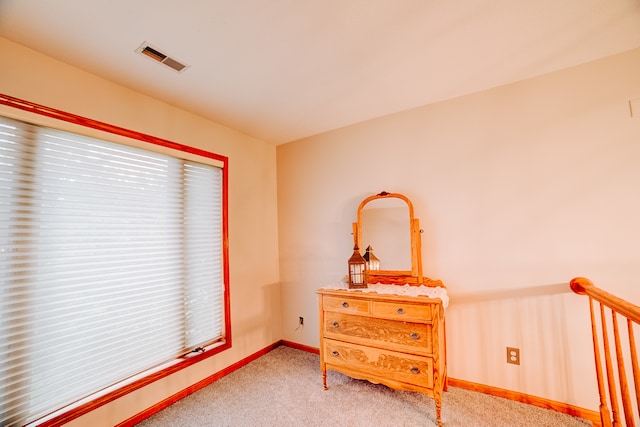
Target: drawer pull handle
x=335 y=324
x=400 y=310
x=345 y=304
x=414 y=335
x=415 y=370
x=335 y=353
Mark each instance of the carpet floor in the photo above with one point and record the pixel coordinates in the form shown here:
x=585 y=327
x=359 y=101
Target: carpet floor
x=284 y=388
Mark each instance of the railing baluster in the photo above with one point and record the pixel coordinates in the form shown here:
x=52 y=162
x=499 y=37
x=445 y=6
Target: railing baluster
x=622 y=374
x=605 y=415
x=634 y=363
x=611 y=381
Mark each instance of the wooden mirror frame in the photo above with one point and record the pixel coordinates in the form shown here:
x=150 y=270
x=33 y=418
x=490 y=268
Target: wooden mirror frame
x=396 y=277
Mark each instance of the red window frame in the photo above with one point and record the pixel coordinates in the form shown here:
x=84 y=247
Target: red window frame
x=182 y=362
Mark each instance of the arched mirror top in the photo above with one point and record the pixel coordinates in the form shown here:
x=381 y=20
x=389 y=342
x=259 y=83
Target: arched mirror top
x=385 y=195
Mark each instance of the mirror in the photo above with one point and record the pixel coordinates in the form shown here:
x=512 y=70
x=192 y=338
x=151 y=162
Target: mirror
x=386 y=228
x=386 y=222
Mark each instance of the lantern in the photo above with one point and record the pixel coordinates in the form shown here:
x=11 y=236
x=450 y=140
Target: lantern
x=373 y=263
x=357 y=270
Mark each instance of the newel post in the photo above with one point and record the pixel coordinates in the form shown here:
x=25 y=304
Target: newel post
x=579 y=285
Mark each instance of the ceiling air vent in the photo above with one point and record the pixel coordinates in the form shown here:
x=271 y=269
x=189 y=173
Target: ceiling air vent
x=155 y=54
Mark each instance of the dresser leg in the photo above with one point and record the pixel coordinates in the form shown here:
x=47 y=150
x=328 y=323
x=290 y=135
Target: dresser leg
x=439 y=413
x=324 y=379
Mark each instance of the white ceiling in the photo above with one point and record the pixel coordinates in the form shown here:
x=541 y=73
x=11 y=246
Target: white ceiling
x=281 y=70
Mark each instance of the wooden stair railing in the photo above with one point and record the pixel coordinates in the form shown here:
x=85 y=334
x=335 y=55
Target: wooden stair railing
x=631 y=313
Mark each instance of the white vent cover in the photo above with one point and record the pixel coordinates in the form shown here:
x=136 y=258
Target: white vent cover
x=154 y=53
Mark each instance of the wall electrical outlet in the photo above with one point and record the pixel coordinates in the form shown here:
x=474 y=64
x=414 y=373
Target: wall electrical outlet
x=513 y=355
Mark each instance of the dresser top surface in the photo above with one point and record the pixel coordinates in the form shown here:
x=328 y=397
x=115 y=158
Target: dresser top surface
x=422 y=294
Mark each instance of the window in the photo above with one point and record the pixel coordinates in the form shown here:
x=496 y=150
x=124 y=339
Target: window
x=112 y=262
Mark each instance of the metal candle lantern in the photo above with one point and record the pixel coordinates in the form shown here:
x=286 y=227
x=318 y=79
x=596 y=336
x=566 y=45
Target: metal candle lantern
x=357 y=270
x=373 y=263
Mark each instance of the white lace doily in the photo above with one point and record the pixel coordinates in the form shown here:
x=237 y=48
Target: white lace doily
x=414 y=291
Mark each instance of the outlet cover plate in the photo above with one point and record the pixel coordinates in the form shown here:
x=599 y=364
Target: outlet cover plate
x=513 y=355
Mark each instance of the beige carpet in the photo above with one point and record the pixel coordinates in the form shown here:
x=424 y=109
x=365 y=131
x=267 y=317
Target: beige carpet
x=284 y=388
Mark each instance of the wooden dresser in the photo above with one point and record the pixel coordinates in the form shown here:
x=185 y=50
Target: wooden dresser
x=395 y=340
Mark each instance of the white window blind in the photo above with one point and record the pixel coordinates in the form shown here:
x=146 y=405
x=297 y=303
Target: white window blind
x=111 y=263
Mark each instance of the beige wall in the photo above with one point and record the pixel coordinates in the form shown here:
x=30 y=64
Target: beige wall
x=255 y=293
x=518 y=190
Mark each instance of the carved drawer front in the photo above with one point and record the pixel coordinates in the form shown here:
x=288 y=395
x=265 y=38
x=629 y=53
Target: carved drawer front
x=346 y=305
x=402 y=311
x=405 y=336
x=396 y=366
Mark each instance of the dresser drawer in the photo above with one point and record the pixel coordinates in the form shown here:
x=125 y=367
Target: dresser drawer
x=401 y=336
x=345 y=305
x=398 y=367
x=402 y=311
